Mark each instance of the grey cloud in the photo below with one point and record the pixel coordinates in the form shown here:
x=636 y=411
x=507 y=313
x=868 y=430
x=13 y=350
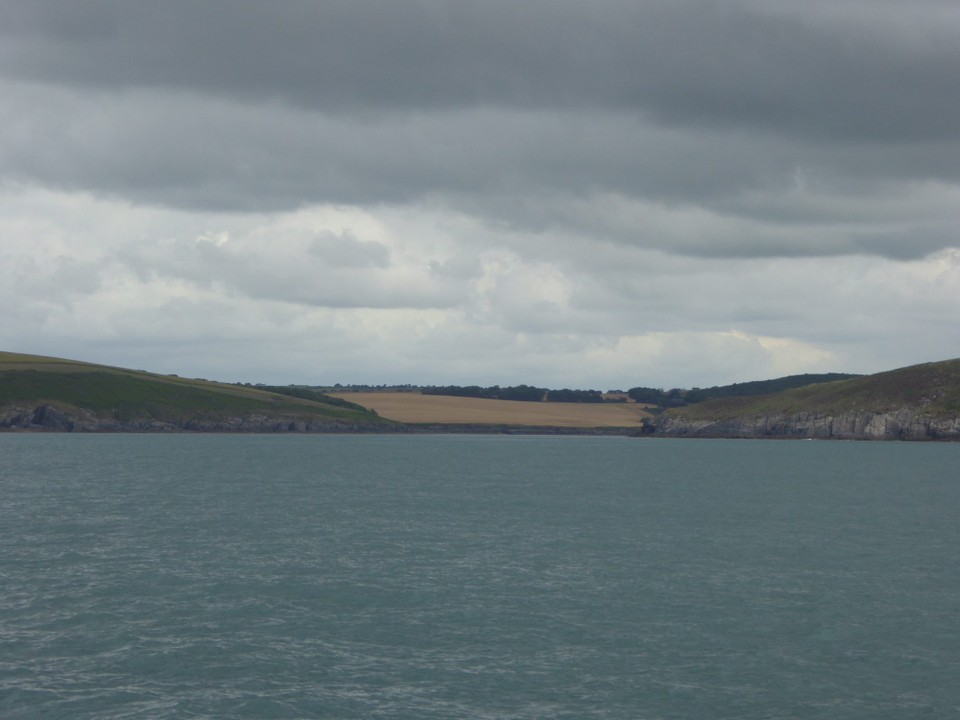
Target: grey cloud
x=57 y=281
x=462 y=267
x=344 y=250
x=528 y=116
x=290 y=273
x=192 y=152
x=535 y=172
x=689 y=62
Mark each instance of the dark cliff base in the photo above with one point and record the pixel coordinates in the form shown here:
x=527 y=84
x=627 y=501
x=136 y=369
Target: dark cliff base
x=48 y=418
x=903 y=424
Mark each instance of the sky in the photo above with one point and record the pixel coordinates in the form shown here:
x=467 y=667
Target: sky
x=601 y=194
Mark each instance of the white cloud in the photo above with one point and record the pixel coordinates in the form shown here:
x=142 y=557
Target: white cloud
x=433 y=297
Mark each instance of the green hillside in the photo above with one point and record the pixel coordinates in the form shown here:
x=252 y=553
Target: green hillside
x=128 y=396
x=762 y=387
x=931 y=388
x=678 y=397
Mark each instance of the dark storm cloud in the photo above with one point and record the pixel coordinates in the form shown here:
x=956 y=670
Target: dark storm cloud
x=685 y=62
x=740 y=115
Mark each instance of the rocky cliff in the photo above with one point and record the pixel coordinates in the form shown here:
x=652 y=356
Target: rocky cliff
x=903 y=424
x=920 y=402
x=51 y=418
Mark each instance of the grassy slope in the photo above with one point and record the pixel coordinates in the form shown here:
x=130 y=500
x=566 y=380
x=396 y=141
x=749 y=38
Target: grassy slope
x=131 y=394
x=763 y=387
x=932 y=387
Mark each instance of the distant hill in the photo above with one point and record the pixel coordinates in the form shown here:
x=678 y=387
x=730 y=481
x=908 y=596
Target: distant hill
x=40 y=393
x=921 y=402
x=763 y=387
x=678 y=397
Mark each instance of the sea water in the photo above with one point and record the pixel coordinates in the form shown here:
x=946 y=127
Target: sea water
x=218 y=576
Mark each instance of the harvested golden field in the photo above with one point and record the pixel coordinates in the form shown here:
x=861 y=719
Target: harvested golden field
x=443 y=409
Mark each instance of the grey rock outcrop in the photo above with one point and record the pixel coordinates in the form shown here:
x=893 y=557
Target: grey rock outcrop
x=904 y=424
x=57 y=419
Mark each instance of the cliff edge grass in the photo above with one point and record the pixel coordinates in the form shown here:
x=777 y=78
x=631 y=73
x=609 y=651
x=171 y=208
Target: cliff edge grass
x=44 y=393
x=921 y=402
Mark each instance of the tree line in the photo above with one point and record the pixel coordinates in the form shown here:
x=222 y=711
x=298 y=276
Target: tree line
x=525 y=393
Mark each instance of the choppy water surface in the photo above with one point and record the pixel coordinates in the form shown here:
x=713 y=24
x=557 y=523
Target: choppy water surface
x=146 y=576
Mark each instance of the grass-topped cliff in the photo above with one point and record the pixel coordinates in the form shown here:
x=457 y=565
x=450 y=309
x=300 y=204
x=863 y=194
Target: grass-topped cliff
x=44 y=392
x=921 y=401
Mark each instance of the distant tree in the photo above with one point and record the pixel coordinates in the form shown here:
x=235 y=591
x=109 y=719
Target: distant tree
x=574 y=396
x=495 y=392
x=652 y=396
x=474 y=391
x=527 y=393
